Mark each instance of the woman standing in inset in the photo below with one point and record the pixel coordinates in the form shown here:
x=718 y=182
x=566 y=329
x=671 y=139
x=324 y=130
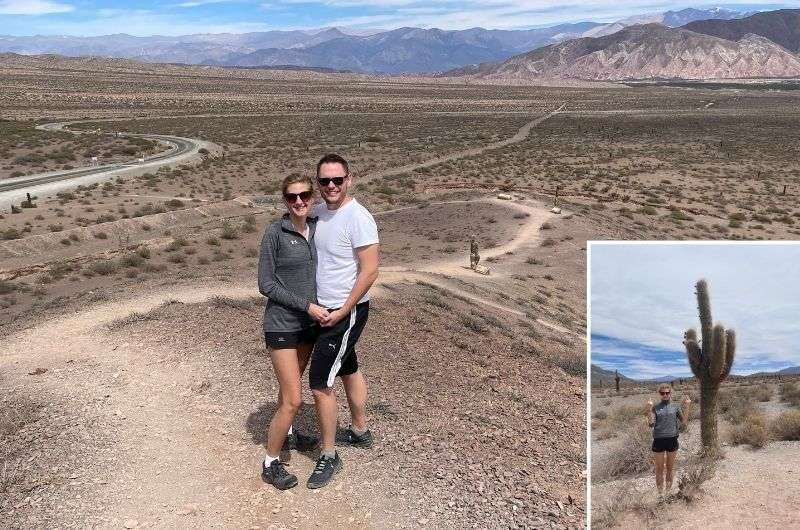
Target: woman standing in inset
x=665 y=419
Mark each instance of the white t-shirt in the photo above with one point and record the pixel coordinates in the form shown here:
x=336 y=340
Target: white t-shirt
x=339 y=232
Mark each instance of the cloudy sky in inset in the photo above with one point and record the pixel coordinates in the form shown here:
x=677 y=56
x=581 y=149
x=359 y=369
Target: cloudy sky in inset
x=179 y=17
x=643 y=299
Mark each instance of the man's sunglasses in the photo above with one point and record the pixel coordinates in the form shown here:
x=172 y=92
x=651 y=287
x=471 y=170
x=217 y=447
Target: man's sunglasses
x=292 y=197
x=336 y=180
x=665 y=393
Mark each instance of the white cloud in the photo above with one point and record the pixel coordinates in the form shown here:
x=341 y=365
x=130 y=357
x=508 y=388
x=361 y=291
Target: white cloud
x=33 y=7
x=645 y=295
x=197 y=3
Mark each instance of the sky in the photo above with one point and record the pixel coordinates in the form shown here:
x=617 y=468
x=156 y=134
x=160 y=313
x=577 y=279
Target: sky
x=181 y=17
x=643 y=299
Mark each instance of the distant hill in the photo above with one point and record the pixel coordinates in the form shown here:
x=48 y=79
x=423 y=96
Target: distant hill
x=781 y=27
x=607 y=376
x=792 y=370
x=413 y=50
x=666 y=18
x=401 y=50
x=649 y=51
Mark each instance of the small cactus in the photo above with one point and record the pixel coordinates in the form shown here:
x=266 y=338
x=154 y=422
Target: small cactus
x=616 y=379
x=711 y=361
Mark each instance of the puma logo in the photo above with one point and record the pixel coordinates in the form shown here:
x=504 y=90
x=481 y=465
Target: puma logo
x=332 y=345
x=294 y=241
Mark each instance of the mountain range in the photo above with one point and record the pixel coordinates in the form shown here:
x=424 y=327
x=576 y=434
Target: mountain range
x=402 y=50
x=607 y=376
x=655 y=51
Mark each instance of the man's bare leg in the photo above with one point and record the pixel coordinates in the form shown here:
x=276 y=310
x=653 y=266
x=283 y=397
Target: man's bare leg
x=356 y=389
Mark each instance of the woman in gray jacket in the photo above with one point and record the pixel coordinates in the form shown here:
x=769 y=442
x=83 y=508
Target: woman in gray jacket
x=666 y=418
x=287 y=276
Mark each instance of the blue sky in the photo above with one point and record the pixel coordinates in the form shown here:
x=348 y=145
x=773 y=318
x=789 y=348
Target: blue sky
x=642 y=301
x=178 y=17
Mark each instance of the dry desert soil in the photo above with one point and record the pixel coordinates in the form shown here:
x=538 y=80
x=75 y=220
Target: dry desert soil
x=135 y=384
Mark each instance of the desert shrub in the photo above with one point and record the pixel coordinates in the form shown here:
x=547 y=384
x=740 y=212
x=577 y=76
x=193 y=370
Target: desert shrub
x=626 y=414
x=694 y=474
x=570 y=362
x=10 y=233
x=174 y=203
x=474 y=324
x=549 y=242
x=752 y=430
x=176 y=244
x=144 y=252
x=626 y=499
x=101 y=235
x=790 y=393
x=103 y=268
x=762 y=393
x=735 y=405
x=228 y=231
x=435 y=300
x=787 y=425
x=629 y=457
x=131 y=260
x=600 y=415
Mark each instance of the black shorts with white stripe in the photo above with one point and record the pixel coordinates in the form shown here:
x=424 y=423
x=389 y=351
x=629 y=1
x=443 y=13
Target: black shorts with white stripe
x=335 y=350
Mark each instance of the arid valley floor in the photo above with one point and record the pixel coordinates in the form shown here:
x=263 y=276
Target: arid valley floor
x=135 y=384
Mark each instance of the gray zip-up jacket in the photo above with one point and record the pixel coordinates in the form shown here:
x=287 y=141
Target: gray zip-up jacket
x=668 y=419
x=287 y=275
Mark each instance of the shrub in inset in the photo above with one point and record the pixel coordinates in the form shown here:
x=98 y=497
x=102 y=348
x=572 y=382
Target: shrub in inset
x=787 y=425
x=751 y=431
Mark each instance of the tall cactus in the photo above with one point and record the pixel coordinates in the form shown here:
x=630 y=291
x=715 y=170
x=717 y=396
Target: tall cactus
x=711 y=362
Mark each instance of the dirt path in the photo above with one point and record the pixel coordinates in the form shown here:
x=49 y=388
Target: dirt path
x=176 y=460
x=474 y=151
x=174 y=473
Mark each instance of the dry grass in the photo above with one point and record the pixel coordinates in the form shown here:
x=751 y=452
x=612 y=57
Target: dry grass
x=625 y=500
x=787 y=425
x=695 y=473
x=790 y=393
x=631 y=456
x=752 y=430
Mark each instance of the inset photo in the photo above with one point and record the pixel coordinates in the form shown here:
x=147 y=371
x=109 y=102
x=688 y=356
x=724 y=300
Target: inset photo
x=695 y=384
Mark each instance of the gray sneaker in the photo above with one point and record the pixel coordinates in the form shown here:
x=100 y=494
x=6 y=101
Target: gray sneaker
x=348 y=437
x=324 y=471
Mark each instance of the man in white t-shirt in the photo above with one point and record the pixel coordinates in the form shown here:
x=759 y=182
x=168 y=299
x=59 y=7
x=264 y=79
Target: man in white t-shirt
x=346 y=240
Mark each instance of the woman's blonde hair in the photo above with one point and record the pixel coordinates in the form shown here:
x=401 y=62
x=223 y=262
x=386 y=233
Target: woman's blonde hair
x=296 y=178
x=663 y=386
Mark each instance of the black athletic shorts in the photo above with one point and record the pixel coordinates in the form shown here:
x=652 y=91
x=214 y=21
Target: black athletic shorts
x=665 y=444
x=334 y=353
x=291 y=339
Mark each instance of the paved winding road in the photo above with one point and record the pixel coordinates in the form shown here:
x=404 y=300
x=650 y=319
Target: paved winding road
x=180 y=150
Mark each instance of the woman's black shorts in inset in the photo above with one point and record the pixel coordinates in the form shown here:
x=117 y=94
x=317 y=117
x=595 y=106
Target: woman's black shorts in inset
x=665 y=444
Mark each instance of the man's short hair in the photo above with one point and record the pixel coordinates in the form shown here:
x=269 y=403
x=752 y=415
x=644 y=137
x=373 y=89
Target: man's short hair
x=333 y=158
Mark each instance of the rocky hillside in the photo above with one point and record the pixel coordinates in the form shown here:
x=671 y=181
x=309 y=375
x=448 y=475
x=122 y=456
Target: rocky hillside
x=646 y=52
x=781 y=27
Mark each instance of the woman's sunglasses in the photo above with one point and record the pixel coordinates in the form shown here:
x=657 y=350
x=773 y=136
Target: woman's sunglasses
x=292 y=197
x=336 y=180
x=665 y=393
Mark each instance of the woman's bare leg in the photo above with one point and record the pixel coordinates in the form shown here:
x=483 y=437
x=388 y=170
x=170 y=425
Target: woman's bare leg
x=659 y=459
x=670 y=466
x=287 y=370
